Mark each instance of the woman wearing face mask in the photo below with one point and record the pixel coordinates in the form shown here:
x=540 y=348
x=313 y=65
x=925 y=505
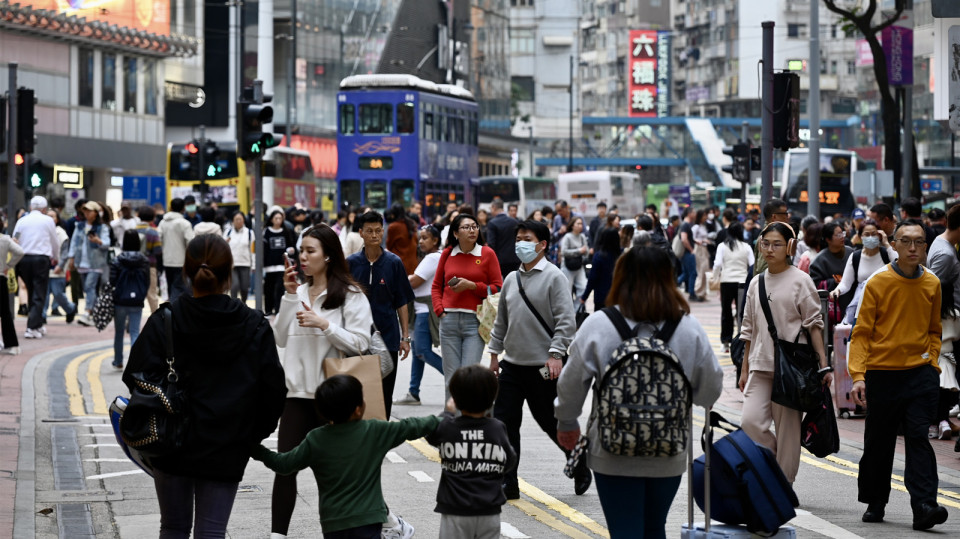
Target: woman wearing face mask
x=875 y=254
x=467 y=272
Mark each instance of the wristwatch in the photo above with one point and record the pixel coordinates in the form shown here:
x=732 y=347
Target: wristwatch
x=556 y=355
x=407 y=339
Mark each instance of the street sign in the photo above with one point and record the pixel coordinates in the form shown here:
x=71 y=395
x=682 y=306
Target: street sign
x=871 y=185
x=145 y=190
x=931 y=186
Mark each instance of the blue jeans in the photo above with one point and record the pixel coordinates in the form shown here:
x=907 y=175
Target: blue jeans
x=178 y=495
x=58 y=295
x=636 y=507
x=91 y=283
x=122 y=313
x=460 y=342
x=689 y=264
x=422 y=353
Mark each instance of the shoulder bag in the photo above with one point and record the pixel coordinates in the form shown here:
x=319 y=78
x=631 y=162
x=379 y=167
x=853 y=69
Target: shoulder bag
x=796 y=382
x=364 y=367
x=543 y=323
x=156 y=420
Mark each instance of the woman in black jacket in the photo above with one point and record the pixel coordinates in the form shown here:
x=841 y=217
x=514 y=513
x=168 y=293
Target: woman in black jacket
x=226 y=359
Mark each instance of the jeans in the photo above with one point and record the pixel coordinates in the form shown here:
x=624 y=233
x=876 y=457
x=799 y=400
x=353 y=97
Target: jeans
x=58 y=295
x=35 y=272
x=240 y=282
x=578 y=282
x=180 y=496
x=175 y=285
x=636 y=507
x=689 y=263
x=422 y=353
x=91 y=283
x=460 y=343
x=122 y=314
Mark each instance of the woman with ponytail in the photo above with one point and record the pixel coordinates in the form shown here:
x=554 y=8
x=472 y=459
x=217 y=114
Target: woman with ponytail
x=226 y=360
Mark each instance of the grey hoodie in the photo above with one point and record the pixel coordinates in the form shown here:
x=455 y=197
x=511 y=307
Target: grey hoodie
x=175 y=232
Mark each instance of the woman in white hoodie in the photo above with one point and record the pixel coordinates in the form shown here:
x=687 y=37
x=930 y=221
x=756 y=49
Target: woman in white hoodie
x=327 y=314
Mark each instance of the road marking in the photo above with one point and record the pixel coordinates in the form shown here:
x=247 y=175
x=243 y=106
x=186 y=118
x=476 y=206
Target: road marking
x=96 y=387
x=393 y=457
x=420 y=476
x=855 y=466
x=102 y=445
x=106 y=425
x=548 y=519
x=72 y=380
x=106 y=460
x=115 y=474
x=809 y=521
x=510 y=532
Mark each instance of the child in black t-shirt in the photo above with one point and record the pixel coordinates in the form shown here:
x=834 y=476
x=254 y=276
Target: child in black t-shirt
x=474 y=456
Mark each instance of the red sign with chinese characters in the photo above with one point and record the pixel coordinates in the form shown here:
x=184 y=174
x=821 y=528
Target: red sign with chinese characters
x=642 y=75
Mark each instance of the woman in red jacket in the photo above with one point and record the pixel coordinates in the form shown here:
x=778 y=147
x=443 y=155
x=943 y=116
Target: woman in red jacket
x=466 y=273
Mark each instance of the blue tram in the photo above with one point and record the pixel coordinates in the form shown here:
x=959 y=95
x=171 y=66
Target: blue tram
x=401 y=139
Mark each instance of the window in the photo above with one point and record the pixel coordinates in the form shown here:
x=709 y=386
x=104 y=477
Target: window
x=109 y=98
x=375 y=193
x=150 y=87
x=524 y=87
x=130 y=85
x=522 y=40
x=833 y=67
x=426 y=128
x=346 y=119
x=441 y=133
x=851 y=67
x=402 y=191
x=405 y=118
x=796 y=30
x=833 y=31
x=376 y=119
x=85 y=78
x=350 y=194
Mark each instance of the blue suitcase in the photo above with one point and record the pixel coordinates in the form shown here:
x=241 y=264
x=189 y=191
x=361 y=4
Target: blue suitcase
x=746 y=485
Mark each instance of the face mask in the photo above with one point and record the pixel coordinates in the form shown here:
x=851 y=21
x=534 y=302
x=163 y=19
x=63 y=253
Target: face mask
x=871 y=242
x=191 y=208
x=526 y=251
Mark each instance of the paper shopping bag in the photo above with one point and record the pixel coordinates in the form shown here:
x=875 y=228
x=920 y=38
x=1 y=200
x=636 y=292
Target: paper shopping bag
x=367 y=370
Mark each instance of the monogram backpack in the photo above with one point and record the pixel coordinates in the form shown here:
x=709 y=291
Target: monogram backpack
x=643 y=398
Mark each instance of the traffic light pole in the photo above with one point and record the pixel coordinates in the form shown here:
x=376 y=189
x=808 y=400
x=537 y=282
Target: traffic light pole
x=258 y=230
x=766 y=116
x=11 y=150
x=813 y=107
x=745 y=185
x=200 y=168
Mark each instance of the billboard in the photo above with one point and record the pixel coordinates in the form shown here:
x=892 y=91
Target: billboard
x=152 y=16
x=648 y=88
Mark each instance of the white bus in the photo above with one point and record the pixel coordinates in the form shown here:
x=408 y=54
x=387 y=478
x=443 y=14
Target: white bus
x=584 y=190
x=528 y=193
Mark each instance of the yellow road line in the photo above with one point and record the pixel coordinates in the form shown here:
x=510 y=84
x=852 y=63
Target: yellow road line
x=548 y=519
x=855 y=466
x=96 y=387
x=549 y=501
x=72 y=381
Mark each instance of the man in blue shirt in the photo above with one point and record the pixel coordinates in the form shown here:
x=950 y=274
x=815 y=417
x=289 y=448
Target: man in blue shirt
x=385 y=282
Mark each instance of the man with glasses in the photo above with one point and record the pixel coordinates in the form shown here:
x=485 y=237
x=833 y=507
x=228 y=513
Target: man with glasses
x=893 y=363
x=827 y=270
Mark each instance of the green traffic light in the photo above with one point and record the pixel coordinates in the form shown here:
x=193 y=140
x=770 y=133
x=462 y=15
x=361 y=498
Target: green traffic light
x=212 y=171
x=35 y=180
x=255 y=148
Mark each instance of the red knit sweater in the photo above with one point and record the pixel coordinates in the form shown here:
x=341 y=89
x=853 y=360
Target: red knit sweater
x=484 y=270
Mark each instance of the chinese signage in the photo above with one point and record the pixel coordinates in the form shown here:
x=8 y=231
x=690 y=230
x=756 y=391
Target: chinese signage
x=898 y=49
x=152 y=16
x=649 y=73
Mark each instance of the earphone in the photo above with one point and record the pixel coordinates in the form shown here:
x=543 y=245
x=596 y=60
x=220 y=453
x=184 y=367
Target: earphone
x=327 y=259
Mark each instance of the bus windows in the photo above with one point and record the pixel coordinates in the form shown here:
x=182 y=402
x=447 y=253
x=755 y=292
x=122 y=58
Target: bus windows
x=375 y=194
x=350 y=195
x=347 y=113
x=458 y=123
x=426 y=130
x=442 y=126
x=473 y=130
x=616 y=186
x=402 y=191
x=376 y=119
x=405 y=116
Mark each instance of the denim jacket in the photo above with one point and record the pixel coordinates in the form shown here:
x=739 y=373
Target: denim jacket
x=87 y=255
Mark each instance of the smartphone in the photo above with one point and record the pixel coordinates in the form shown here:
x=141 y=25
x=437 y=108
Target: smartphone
x=453 y=281
x=286 y=258
x=545 y=372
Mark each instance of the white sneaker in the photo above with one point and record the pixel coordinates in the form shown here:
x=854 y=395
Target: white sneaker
x=43 y=330
x=403 y=530
x=945 y=431
x=12 y=351
x=408 y=400
x=32 y=334
x=84 y=320
x=955 y=411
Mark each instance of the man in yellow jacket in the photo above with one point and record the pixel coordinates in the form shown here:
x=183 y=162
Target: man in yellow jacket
x=893 y=363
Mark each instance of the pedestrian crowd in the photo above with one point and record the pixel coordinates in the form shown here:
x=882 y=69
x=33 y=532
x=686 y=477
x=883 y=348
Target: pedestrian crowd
x=469 y=281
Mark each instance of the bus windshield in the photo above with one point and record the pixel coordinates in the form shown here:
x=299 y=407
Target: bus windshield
x=836 y=169
x=506 y=190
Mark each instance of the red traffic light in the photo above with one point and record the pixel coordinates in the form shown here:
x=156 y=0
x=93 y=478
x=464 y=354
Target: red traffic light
x=639 y=167
x=18 y=159
x=192 y=148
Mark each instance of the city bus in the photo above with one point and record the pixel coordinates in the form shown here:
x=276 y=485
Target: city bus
x=401 y=139
x=837 y=168
x=528 y=193
x=231 y=188
x=584 y=190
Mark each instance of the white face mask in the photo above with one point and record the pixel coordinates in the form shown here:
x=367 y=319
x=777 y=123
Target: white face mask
x=871 y=242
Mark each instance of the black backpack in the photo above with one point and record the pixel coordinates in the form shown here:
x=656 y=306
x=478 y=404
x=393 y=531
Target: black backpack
x=856 y=263
x=643 y=397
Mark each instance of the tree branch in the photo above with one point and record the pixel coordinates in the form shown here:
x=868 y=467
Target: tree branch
x=890 y=21
x=832 y=6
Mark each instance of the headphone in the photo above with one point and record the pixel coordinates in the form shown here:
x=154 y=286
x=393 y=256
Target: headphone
x=791 y=241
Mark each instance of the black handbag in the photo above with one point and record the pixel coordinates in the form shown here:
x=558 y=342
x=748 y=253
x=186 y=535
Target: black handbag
x=796 y=382
x=581 y=314
x=737 y=349
x=818 y=429
x=573 y=263
x=156 y=420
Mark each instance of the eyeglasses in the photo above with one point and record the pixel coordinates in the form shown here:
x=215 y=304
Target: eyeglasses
x=764 y=244
x=786 y=212
x=916 y=243
x=839 y=235
x=469 y=227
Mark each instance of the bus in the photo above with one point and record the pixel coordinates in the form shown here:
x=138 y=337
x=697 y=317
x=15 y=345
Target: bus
x=584 y=190
x=528 y=193
x=837 y=168
x=230 y=187
x=402 y=139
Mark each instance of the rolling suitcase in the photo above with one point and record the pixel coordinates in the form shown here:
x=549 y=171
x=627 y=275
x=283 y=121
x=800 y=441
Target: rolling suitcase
x=708 y=529
x=842 y=383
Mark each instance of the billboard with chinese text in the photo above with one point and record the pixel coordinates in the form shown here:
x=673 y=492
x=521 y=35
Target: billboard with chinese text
x=152 y=16
x=648 y=73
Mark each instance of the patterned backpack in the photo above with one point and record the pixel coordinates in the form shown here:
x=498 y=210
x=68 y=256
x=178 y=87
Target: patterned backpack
x=643 y=399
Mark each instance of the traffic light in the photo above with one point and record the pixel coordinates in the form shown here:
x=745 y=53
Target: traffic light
x=786 y=110
x=251 y=117
x=39 y=174
x=211 y=154
x=18 y=160
x=189 y=160
x=740 y=168
x=26 y=140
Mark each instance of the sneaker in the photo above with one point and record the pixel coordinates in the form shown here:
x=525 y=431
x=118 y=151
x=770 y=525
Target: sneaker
x=408 y=400
x=32 y=334
x=945 y=433
x=928 y=515
x=84 y=320
x=403 y=530
x=12 y=351
x=42 y=330
x=726 y=348
x=55 y=313
x=118 y=366
x=71 y=315
x=22 y=310
x=955 y=411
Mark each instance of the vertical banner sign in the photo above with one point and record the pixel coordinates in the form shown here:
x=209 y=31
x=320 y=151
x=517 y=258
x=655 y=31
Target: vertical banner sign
x=642 y=87
x=663 y=74
x=898 y=49
x=953 y=35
